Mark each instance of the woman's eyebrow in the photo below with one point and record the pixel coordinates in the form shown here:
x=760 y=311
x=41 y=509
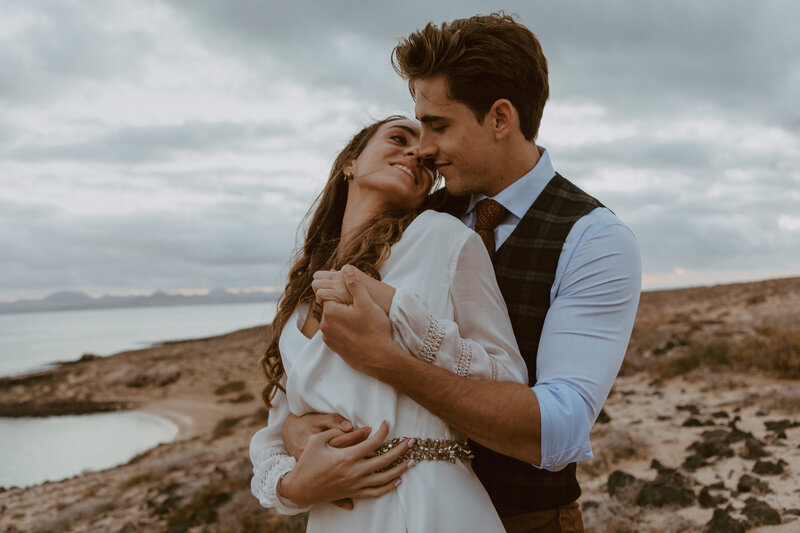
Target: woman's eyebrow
x=411 y=131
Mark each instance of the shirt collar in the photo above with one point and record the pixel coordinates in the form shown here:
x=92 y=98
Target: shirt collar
x=520 y=195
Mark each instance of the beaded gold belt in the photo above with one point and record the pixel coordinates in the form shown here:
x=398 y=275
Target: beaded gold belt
x=429 y=450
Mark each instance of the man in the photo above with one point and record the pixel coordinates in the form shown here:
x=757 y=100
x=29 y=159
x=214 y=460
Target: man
x=567 y=267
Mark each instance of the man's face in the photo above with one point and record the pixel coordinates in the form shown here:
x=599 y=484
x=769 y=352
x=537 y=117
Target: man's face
x=451 y=136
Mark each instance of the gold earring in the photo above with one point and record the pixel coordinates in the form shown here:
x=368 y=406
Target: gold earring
x=348 y=177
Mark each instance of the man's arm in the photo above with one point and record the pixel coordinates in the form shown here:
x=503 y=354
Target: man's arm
x=361 y=334
x=583 y=343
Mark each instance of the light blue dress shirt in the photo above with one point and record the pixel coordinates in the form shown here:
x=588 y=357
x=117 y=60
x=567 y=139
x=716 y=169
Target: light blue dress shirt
x=593 y=303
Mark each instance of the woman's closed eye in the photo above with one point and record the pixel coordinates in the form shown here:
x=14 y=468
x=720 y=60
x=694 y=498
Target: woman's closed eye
x=400 y=138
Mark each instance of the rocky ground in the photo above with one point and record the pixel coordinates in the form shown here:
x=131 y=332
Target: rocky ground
x=701 y=431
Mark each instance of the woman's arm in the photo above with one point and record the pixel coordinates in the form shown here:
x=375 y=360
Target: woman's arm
x=480 y=342
x=271 y=461
x=323 y=472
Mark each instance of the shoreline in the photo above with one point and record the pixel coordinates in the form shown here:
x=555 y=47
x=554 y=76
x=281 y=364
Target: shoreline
x=722 y=437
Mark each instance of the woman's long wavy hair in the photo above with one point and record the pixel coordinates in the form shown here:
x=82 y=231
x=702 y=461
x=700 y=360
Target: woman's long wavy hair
x=367 y=251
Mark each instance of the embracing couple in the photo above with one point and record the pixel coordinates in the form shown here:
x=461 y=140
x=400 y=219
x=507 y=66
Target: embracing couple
x=439 y=356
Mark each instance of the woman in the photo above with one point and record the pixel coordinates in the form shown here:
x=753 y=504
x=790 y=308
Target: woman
x=370 y=215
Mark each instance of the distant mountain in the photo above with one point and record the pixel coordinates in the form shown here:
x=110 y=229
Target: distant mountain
x=70 y=301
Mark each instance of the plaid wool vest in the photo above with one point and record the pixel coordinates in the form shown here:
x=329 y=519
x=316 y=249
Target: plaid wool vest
x=525 y=266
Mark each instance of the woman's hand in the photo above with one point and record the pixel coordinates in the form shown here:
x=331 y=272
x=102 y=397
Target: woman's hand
x=325 y=473
x=329 y=285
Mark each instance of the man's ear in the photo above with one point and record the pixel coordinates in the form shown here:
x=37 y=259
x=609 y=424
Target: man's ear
x=504 y=118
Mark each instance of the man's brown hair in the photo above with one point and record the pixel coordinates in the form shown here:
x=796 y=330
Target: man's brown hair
x=483 y=59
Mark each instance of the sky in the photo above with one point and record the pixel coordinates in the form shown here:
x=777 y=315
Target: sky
x=177 y=145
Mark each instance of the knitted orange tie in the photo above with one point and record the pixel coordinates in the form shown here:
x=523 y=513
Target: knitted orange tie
x=489 y=214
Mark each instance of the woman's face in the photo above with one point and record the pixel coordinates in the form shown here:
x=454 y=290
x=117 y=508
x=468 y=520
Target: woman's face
x=390 y=167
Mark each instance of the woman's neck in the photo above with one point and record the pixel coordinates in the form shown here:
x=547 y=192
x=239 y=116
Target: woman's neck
x=359 y=210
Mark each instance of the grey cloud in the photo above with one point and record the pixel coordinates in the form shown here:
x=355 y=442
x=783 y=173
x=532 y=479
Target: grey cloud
x=635 y=56
x=146 y=144
x=67 y=44
x=230 y=244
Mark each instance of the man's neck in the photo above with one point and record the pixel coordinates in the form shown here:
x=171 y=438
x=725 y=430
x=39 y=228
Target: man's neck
x=517 y=159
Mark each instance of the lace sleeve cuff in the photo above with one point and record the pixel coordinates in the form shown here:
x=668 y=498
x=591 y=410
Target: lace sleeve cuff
x=432 y=341
x=265 y=486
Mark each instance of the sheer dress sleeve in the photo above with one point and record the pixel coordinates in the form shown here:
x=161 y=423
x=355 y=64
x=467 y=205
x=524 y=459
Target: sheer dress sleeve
x=479 y=343
x=270 y=459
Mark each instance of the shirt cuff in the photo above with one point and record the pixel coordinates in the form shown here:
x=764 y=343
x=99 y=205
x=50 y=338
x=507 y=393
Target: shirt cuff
x=565 y=426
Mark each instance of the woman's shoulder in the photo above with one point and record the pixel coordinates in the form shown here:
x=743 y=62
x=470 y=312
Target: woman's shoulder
x=441 y=224
x=440 y=234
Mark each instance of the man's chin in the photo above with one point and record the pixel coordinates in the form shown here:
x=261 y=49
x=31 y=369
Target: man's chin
x=455 y=187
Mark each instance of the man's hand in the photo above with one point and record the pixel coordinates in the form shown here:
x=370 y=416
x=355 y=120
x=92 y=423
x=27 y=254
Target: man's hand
x=360 y=333
x=325 y=473
x=298 y=429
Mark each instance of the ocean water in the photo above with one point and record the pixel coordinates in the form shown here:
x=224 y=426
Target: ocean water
x=30 y=341
x=35 y=450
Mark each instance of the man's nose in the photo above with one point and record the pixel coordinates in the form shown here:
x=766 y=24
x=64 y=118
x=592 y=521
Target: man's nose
x=427 y=150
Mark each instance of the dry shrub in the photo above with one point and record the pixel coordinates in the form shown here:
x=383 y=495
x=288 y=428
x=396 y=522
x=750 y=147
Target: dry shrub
x=772 y=350
x=78 y=511
x=611 y=448
x=200 y=509
x=231 y=386
x=243 y=514
x=138 y=478
x=613 y=517
x=787 y=400
x=225 y=426
x=621 y=517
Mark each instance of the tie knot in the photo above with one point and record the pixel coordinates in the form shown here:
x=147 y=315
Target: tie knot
x=489 y=213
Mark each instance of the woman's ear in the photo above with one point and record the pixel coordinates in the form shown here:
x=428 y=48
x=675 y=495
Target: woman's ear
x=504 y=118
x=348 y=168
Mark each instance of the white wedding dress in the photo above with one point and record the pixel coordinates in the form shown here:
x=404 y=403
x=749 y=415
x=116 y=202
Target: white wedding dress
x=446 y=290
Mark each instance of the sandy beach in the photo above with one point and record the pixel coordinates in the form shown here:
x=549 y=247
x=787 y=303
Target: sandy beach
x=701 y=431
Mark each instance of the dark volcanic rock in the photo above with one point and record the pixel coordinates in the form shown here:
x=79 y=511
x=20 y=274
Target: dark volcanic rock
x=755 y=449
x=619 y=480
x=688 y=407
x=780 y=425
x=662 y=493
x=760 y=514
x=656 y=465
x=722 y=522
x=768 y=468
x=707 y=500
x=711 y=448
x=695 y=461
x=720 y=414
x=603 y=417
x=692 y=423
x=669 y=474
x=715 y=434
x=748 y=483
x=737 y=435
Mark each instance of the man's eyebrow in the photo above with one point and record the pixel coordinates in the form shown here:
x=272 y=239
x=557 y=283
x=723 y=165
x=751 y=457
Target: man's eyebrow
x=427 y=119
x=411 y=131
